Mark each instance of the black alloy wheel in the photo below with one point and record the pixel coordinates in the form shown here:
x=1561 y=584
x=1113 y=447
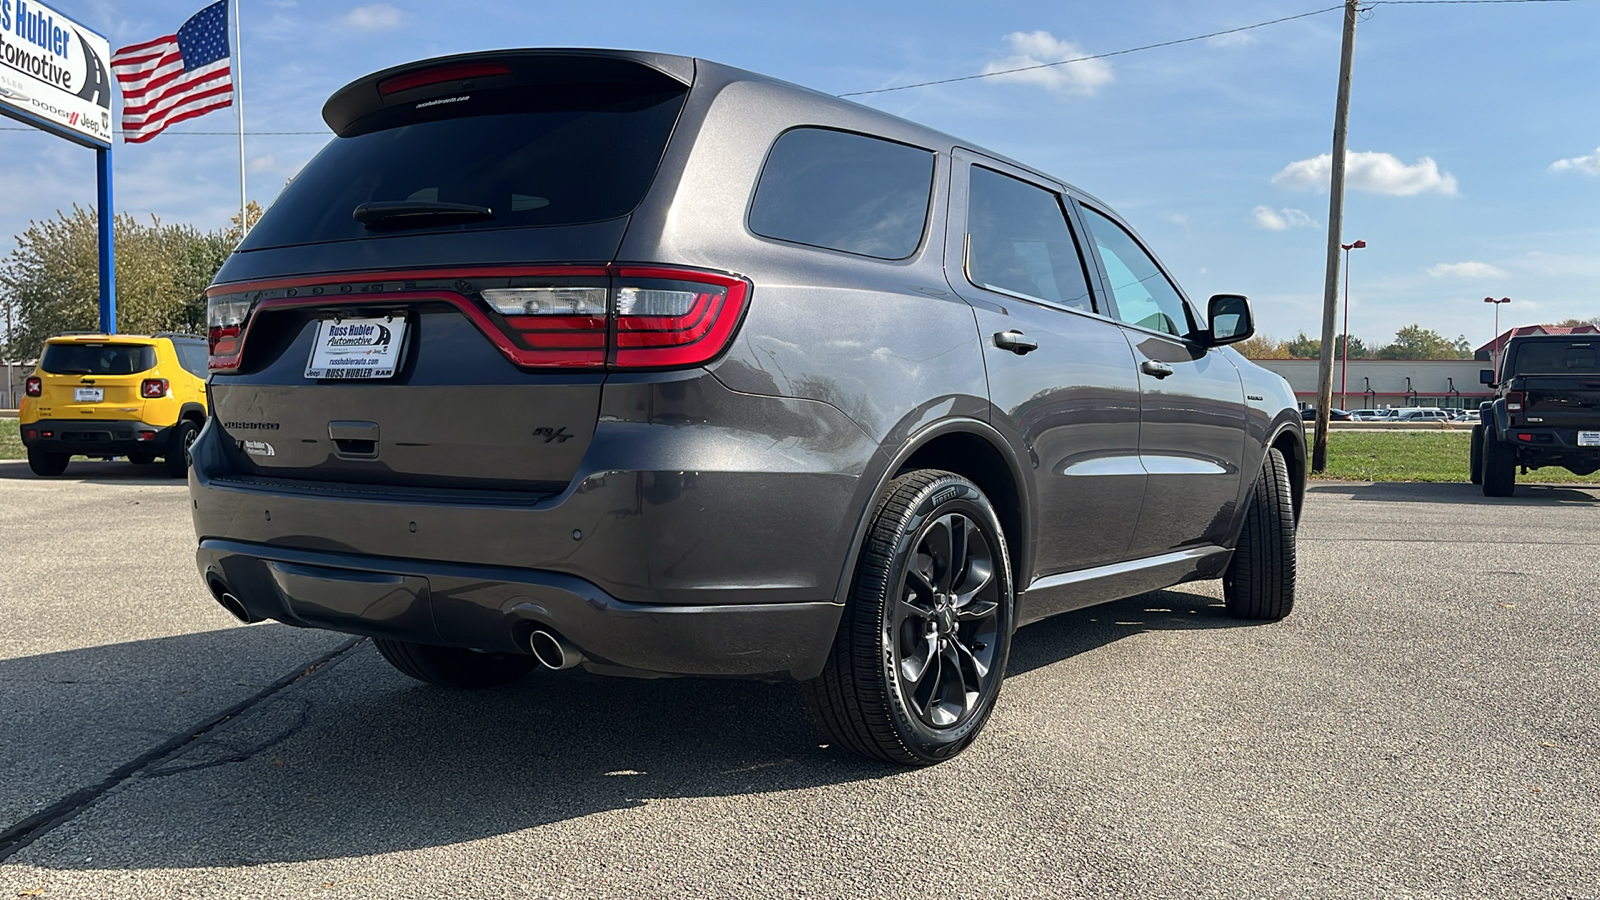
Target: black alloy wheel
x=921 y=652
x=177 y=458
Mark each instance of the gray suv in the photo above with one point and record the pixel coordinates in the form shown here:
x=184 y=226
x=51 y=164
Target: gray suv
x=655 y=366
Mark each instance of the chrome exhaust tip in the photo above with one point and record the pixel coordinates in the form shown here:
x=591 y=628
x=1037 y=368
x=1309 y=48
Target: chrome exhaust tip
x=552 y=651
x=226 y=599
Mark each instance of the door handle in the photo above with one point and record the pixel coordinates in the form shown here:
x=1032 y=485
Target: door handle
x=1016 y=342
x=1158 y=369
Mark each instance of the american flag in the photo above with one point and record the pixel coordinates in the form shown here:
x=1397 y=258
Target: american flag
x=176 y=77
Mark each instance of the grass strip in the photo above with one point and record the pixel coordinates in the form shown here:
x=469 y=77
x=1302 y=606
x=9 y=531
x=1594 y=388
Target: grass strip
x=1416 y=456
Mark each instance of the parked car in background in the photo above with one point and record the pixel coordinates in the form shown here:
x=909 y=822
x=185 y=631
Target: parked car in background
x=1309 y=414
x=656 y=366
x=1546 y=411
x=1420 y=414
x=103 y=396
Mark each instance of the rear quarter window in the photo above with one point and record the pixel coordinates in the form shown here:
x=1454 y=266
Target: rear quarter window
x=192 y=356
x=844 y=191
x=97 y=359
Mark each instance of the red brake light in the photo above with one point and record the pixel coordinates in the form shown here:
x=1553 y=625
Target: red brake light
x=671 y=317
x=34 y=386
x=1513 y=401
x=153 y=388
x=439 y=75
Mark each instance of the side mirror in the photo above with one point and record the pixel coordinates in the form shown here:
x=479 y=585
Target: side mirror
x=1231 y=319
x=1486 y=376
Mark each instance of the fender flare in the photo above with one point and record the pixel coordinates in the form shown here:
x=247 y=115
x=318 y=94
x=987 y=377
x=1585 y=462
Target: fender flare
x=192 y=410
x=1022 y=552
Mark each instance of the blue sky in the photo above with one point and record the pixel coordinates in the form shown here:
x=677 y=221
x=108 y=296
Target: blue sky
x=1476 y=127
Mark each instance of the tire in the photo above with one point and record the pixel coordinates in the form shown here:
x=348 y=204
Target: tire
x=177 y=456
x=1259 y=581
x=45 y=464
x=1475 y=456
x=454 y=667
x=917 y=664
x=1499 y=466
x=141 y=459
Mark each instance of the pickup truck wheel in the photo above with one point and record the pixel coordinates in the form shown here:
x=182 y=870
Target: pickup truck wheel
x=48 y=465
x=1499 y=466
x=1475 y=455
x=916 y=666
x=1259 y=581
x=177 y=458
x=453 y=666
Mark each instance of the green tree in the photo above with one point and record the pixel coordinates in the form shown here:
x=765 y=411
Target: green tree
x=1303 y=347
x=1260 y=346
x=50 y=282
x=1416 y=342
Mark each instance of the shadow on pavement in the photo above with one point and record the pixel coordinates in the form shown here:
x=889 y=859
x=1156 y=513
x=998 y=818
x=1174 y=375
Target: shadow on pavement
x=1447 y=492
x=118 y=471
x=358 y=760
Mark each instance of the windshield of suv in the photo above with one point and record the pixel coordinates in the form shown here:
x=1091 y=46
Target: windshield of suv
x=562 y=156
x=97 y=359
x=1556 y=358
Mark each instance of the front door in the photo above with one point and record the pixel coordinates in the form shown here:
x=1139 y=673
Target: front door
x=1192 y=430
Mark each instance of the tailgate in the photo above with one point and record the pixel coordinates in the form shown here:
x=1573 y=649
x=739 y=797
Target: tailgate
x=1562 y=401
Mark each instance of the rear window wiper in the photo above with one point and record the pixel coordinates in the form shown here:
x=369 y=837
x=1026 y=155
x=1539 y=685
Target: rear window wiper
x=416 y=213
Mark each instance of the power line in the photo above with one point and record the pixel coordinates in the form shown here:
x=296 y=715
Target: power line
x=1187 y=40
x=1076 y=59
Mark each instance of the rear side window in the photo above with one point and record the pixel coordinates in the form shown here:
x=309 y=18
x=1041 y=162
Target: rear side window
x=192 y=356
x=844 y=192
x=564 y=155
x=1555 y=357
x=97 y=359
x=1018 y=242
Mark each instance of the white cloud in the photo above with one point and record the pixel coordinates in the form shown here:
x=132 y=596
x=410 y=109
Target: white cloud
x=262 y=164
x=1280 y=219
x=1237 y=39
x=1377 y=173
x=1589 y=165
x=1035 y=48
x=374 y=17
x=1175 y=218
x=1467 y=270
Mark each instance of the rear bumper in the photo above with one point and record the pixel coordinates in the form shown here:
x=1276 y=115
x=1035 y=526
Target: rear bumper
x=496 y=609
x=96 y=437
x=1542 y=446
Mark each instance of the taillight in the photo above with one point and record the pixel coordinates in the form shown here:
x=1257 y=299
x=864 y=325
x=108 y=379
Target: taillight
x=667 y=317
x=34 y=386
x=626 y=317
x=153 y=388
x=1513 y=401
x=225 y=320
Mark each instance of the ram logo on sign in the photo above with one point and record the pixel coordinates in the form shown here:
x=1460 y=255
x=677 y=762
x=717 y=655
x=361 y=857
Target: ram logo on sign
x=53 y=73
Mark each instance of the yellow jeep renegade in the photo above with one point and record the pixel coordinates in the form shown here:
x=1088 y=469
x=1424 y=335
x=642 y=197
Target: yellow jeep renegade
x=139 y=396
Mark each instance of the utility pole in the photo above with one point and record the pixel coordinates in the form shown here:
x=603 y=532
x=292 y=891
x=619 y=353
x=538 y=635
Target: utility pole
x=1330 y=293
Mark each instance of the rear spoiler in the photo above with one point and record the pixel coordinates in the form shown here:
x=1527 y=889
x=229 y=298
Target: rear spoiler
x=449 y=76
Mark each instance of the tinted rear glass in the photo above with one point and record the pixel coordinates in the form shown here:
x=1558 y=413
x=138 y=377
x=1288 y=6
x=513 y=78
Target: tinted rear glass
x=97 y=359
x=192 y=356
x=562 y=155
x=1554 y=357
x=844 y=192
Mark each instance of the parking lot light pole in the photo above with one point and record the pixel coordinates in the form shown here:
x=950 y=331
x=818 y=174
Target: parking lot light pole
x=1344 y=368
x=1496 y=362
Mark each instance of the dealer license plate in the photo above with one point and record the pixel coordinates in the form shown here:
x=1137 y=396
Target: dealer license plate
x=1589 y=439
x=357 y=348
x=88 y=395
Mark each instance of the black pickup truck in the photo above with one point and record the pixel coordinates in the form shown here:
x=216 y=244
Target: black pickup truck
x=1546 y=411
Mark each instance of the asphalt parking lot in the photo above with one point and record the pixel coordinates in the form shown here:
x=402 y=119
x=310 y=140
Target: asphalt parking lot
x=1426 y=724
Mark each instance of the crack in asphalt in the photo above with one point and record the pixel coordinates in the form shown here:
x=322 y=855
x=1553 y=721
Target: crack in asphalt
x=238 y=755
x=148 y=763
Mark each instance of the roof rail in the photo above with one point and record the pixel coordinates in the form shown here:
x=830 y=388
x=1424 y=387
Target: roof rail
x=179 y=334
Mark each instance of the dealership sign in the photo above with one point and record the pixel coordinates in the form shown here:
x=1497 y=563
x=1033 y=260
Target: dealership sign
x=53 y=73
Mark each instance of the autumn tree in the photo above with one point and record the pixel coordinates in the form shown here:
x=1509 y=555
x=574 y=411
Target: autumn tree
x=50 y=282
x=1260 y=346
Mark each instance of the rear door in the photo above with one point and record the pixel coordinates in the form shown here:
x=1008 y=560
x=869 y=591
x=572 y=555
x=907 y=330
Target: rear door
x=1061 y=378
x=1192 y=424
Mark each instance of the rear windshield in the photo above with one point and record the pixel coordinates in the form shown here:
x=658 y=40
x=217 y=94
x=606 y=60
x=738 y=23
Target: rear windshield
x=1555 y=357
x=97 y=359
x=561 y=156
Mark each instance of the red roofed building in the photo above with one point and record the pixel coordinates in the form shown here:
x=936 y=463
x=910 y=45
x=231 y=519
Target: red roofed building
x=1486 y=352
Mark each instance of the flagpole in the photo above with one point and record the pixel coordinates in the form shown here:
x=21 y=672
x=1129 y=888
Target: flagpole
x=238 y=101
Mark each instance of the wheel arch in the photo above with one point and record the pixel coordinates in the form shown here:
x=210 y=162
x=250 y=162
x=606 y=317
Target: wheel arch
x=1290 y=440
x=976 y=451
x=194 y=412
